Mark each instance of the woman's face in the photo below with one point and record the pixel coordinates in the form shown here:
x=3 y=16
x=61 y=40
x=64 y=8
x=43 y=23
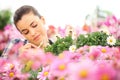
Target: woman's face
x=32 y=28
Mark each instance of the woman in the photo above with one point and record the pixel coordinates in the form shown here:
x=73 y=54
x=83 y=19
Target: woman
x=32 y=26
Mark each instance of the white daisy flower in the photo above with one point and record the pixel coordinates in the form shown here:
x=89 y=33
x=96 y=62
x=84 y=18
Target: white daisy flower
x=85 y=35
x=111 y=40
x=72 y=48
x=105 y=30
x=54 y=37
x=69 y=30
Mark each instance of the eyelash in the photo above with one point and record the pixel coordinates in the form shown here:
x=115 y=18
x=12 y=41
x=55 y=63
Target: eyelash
x=34 y=26
x=26 y=32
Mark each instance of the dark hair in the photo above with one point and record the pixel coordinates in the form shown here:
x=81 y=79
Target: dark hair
x=24 y=10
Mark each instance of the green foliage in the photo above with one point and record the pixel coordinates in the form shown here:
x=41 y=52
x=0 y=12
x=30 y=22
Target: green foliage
x=90 y=39
x=1 y=52
x=117 y=43
x=60 y=45
x=33 y=75
x=5 y=18
x=95 y=38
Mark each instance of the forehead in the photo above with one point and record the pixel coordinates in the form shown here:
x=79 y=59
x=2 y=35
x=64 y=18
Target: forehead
x=26 y=20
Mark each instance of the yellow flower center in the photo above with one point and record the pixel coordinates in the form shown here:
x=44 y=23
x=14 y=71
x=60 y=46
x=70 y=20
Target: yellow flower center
x=81 y=51
x=11 y=74
x=11 y=66
x=103 y=50
x=62 y=78
x=61 y=56
x=105 y=77
x=28 y=65
x=92 y=57
x=73 y=49
x=83 y=73
x=111 y=40
x=62 y=67
x=45 y=73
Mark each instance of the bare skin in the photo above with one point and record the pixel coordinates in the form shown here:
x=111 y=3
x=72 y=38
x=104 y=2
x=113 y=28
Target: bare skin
x=32 y=28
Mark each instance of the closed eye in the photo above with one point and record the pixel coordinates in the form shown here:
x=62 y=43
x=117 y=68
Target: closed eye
x=34 y=26
x=25 y=32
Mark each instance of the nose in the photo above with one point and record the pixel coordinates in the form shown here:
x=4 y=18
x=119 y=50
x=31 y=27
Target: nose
x=32 y=32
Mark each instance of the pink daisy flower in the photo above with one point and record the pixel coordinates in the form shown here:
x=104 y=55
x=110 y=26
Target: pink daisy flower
x=105 y=72
x=44 y=74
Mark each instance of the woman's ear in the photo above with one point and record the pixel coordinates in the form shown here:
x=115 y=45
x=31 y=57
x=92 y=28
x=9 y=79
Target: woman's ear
x=42 y=19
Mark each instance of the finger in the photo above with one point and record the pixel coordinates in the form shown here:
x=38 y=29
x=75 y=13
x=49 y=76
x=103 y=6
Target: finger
x=30 y=45
x=26 y=47
x=44 y=44
x=41 y=44
x=33 y=46
x=22 y=50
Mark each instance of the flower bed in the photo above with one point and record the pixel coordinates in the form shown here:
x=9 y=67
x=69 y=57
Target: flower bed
x=93 y=56
x=72 y=56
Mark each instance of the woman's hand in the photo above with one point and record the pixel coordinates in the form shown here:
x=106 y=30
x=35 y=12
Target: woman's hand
x=26 y=47
x=43 y=43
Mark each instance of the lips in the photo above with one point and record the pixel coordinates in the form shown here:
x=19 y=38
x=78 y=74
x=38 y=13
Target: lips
x=36 y=37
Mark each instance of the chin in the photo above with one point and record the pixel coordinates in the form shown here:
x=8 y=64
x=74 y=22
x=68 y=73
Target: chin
x=37 y=44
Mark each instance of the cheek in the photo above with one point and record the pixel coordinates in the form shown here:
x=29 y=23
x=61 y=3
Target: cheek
x=28 y=38
x=41 y=30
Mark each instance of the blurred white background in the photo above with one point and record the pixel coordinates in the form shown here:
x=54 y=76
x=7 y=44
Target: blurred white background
x=61 y=12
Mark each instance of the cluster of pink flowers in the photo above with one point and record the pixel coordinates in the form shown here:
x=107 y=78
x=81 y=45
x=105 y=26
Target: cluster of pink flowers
x=11 y=70
x=9 y=33
x=12 y=32
x=112 y=24
x=84 y=63
x=3 y=39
